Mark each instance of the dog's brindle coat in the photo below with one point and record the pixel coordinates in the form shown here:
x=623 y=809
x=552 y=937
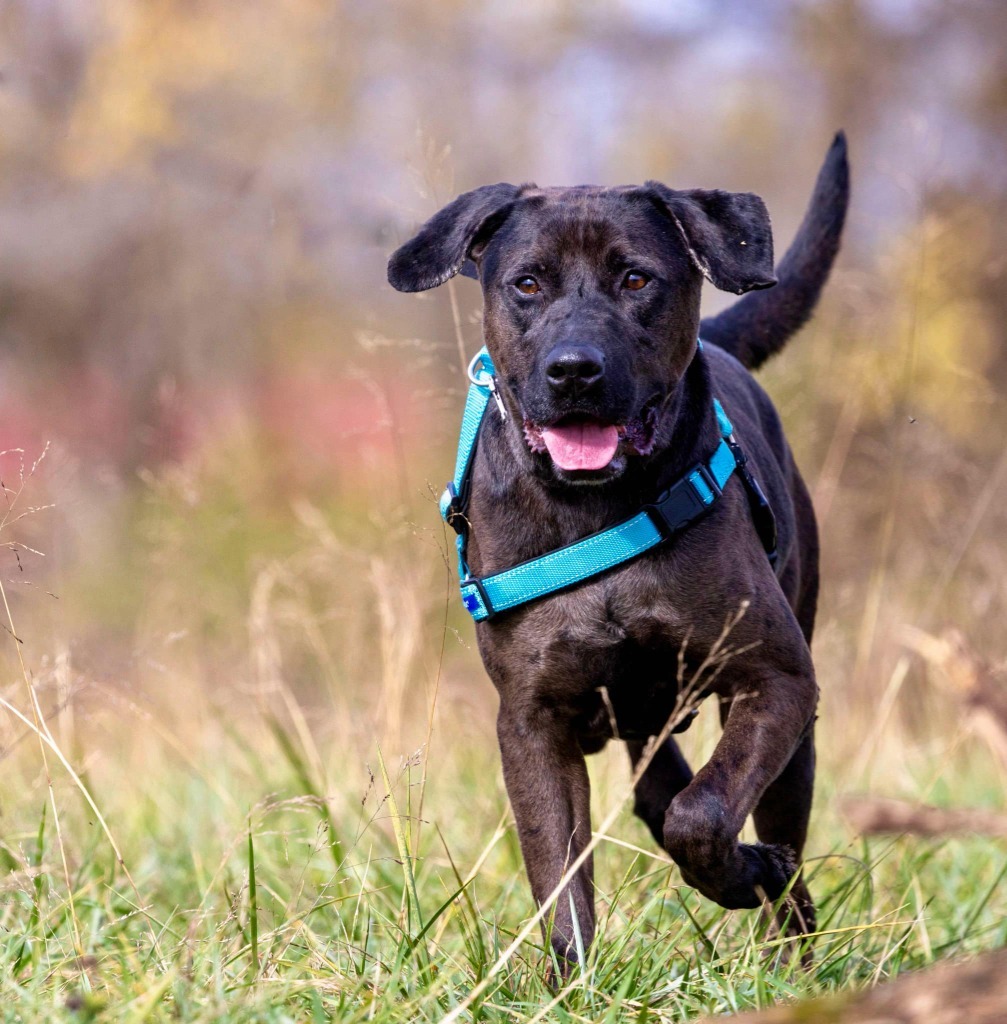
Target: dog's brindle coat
x=589 y=343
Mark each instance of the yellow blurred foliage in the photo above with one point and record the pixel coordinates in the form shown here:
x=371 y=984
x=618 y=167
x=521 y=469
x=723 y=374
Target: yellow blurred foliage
x=159 y=56
x=940 y=342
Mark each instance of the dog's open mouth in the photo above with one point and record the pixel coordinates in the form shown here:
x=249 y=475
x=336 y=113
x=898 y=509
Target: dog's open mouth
x=577 y=443
x=586 y=443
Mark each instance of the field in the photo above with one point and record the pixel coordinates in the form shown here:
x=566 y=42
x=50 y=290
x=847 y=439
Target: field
x=248 y=765
x=279 y=798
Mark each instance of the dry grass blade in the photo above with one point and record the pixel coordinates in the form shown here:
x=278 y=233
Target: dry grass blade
x=45 y=736
x=970 y=679
x=37 y=727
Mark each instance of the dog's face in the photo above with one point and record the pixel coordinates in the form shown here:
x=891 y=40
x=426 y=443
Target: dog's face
x=591 y=304
x=591 y=311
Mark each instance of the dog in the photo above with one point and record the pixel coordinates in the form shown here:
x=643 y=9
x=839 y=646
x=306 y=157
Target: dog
x=591 y=320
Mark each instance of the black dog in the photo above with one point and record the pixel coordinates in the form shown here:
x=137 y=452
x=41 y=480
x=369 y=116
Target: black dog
x=591 y=318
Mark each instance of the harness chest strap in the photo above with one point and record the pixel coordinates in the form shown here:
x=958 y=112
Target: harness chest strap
x=677 y=507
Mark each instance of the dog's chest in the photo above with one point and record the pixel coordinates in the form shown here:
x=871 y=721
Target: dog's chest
x=614 y=652
x=640 y=678
x=641 y=695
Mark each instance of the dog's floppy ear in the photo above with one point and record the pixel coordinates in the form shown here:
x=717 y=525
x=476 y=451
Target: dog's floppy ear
x=727 y=234
x=444 y=243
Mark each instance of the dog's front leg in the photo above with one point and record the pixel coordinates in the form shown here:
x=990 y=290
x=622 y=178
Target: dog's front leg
x=548 y=786
x=769 y=718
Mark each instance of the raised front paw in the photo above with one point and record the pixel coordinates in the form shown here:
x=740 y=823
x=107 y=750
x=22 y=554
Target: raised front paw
x=746 y=878
x=768 y=868
x=736 y=875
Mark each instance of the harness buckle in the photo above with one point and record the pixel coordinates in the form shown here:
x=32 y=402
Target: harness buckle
x=683 y=502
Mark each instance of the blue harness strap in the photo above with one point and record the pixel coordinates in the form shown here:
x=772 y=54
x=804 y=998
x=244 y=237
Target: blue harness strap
x=676 y=508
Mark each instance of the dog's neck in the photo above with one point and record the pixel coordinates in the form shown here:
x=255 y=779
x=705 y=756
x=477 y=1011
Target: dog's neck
x=507 y=480
x=688 y=432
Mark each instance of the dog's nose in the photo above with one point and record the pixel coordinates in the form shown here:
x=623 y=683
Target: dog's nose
x=574 y=368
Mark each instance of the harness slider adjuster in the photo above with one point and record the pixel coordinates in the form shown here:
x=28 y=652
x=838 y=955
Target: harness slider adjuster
x=481 y=373
x=452 y=511
x=475 y=599
x=711 y=482
x=495 y=392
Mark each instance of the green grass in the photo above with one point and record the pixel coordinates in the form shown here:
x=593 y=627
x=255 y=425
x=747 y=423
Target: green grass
x=258 y=899
x=279 y=799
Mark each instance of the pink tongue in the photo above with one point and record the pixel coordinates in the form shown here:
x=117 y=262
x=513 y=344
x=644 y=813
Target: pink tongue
x=583 y=445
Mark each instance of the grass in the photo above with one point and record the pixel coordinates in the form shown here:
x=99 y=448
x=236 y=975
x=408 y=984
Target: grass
x=267 y=857
x=264 y=915
x=248 y=767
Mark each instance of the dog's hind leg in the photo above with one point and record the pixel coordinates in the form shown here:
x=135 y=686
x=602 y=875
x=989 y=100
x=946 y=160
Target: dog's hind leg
x=663 y=779
x=781 y=818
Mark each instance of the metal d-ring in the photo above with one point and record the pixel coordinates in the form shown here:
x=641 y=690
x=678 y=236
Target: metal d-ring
x=481 y=380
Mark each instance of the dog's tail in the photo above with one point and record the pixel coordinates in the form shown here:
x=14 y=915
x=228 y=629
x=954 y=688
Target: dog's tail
x=759 y=325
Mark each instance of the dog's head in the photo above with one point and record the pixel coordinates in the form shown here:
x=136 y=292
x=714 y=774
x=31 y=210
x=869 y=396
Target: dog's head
x=591 y=303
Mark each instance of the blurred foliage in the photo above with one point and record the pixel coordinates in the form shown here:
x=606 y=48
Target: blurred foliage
x=196 y=202
x=227 y=575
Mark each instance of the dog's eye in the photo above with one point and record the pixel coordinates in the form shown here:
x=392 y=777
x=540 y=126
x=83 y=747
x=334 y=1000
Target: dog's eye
x=635 y=280
x=527 y=285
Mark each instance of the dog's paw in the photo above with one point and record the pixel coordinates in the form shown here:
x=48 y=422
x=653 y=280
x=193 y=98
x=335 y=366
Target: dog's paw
x=759 y=872
x=738 y=876
x=770 y=867
x=561 y=966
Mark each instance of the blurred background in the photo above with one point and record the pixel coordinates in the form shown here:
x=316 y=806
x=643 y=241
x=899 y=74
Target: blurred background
x=243 y=430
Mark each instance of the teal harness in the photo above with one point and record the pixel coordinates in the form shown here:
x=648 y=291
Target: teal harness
x=681 y=504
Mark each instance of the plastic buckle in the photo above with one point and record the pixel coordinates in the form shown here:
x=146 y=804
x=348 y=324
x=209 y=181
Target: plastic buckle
x=478 y=602
x=682 y=503
x=451 y=509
